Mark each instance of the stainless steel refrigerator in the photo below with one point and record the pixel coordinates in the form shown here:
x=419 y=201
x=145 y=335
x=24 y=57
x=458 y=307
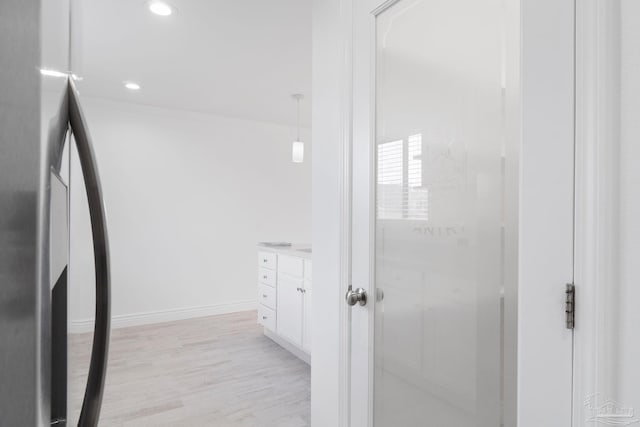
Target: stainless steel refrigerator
x=39 y=110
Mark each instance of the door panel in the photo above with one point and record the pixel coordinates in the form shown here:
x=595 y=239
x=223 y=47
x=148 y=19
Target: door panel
x=289 y=311
x=308 y=298
x=546 y=215
x=469 y=105
x=440 y=142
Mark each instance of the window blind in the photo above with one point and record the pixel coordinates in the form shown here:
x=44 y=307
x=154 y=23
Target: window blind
x=400 y=193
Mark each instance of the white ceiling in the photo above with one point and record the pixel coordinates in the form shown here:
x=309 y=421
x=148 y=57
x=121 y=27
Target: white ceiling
x=239 y=58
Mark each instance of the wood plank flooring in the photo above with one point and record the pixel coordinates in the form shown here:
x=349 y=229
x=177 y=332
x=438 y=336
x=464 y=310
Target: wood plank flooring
x=210 y=371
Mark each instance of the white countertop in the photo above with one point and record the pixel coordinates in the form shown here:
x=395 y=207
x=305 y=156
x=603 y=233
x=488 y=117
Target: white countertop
x=295 y=249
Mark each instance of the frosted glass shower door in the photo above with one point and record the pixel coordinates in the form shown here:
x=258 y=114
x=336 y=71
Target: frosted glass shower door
x=444 y=347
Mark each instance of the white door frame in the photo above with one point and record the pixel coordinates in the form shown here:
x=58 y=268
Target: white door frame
x=343 y=82
x=598 y=363
x=331 y=205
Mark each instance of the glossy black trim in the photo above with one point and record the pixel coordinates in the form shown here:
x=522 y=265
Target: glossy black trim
x=92 y=402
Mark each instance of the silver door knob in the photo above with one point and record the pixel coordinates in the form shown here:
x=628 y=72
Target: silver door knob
x=357 y=296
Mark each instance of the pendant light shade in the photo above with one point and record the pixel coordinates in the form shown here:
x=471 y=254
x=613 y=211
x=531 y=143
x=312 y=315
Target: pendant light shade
x=297 y=152
x=297 y=148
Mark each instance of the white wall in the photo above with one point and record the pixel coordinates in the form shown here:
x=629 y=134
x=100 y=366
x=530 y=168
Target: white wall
x=188 y=196
x=625 y=365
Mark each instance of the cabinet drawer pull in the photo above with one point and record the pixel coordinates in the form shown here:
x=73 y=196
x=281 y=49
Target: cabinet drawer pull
x=264 y=295
x=264 y=277
x=264 y=317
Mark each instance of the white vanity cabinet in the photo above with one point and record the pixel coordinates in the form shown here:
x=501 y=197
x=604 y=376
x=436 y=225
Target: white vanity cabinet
x=284 y=299
x=289 y=312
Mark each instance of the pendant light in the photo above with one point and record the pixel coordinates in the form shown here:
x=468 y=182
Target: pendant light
x=297 y=148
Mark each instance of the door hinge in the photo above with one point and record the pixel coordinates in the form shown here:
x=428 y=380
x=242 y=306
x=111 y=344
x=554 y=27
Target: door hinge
x=570 y=305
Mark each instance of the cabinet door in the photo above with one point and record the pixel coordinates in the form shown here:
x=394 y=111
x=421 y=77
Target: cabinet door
x=289 y=309
x=306 y=335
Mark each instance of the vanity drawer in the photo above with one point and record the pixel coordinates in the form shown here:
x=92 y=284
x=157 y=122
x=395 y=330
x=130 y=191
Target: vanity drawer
x=291 y=266
x=268 y=260
x=267 y=317
x=267 y=296
x=266 y=276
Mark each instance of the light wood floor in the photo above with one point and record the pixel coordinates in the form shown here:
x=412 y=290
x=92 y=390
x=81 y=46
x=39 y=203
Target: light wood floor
x=211 y=371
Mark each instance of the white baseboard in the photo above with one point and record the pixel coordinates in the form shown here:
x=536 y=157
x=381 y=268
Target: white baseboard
x=150 y=317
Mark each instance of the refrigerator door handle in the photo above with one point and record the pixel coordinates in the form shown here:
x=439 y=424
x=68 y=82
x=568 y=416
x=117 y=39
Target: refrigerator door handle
x=98 y=366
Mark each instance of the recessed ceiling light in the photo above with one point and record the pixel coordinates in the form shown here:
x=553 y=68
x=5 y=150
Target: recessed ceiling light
x=132 y=85
x=160 y=8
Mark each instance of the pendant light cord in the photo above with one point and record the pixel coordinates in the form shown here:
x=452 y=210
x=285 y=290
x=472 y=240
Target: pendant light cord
x=297 y=97
x=298 y=119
